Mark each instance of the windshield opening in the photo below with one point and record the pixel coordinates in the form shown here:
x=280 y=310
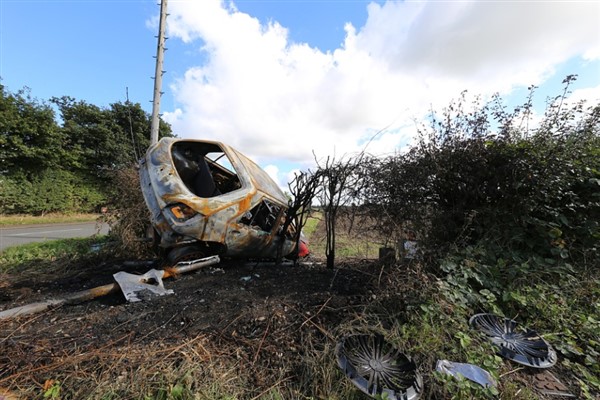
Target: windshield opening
x=204 y=168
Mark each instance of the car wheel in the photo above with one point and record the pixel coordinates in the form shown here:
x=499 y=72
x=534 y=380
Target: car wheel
x=185 y=253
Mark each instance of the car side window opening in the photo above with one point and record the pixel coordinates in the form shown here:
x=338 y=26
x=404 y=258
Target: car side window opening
x=263 y=216
x=204 y=168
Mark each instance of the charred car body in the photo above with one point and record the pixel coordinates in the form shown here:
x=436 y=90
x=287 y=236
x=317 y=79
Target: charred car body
x=207 y=198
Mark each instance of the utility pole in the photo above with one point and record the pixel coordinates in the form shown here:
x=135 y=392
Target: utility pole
x=160 y=50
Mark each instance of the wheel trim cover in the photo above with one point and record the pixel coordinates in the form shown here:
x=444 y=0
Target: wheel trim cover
x=521 y=345
x=377 y=368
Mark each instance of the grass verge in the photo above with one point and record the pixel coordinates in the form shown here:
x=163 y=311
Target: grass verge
x=24 y=219
x=37 y=254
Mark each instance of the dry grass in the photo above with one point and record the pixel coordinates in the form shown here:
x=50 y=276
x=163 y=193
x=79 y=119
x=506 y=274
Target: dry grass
x=126 y=369
x=128 y=216
x=53 y=218
x=219 y=365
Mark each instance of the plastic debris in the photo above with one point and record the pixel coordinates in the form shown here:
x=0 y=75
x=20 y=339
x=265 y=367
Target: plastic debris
x=468 y=371
x=378 y=369
x=410 y=249
x=521 y=345
x=137 y=287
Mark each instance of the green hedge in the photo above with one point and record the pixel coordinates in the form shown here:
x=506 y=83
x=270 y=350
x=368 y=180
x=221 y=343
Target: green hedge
x=53 y=190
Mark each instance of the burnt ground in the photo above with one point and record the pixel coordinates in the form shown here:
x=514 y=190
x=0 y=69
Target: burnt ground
x=250 y=315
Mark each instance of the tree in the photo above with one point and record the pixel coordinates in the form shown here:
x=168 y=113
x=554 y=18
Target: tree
x=134 y=124
x=46 y=167
x=342 y=182
x=30 y=139
x=105 y=139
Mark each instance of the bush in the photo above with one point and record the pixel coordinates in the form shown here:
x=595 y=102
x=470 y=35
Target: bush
x=484 y=178
x=128 y=216
x=52 y=190
x=13 y=195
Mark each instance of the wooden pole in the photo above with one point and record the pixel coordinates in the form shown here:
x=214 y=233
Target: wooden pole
x=160 y=50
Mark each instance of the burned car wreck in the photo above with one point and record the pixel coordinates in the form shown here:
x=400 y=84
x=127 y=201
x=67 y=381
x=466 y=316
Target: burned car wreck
x=206 y=198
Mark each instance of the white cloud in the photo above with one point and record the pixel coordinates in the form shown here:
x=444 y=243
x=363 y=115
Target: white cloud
x=273 y=98
x=484 y=42
x=591 y=94
x=273 y=172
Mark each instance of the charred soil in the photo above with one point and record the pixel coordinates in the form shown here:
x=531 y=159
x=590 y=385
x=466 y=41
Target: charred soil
x=247 y=322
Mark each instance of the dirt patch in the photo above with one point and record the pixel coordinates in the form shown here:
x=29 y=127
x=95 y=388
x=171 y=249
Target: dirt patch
x=258 y=313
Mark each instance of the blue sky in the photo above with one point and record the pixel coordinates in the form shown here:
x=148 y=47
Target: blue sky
x=94 y=49
x=280 y=80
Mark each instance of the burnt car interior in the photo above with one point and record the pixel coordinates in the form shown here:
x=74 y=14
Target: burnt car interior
x=263 y=216
x=204 y=168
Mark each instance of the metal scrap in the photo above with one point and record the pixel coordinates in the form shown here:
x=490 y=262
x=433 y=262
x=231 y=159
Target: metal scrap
x=142 y=287
x=207 y=198
x=468 y=371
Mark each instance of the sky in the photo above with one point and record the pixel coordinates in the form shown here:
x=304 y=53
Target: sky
x=288 y=81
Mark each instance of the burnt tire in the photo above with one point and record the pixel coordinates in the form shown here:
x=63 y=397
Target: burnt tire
x=185 y=253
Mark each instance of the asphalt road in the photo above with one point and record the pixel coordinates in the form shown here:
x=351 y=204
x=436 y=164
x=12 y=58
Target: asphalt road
x=17 y=235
